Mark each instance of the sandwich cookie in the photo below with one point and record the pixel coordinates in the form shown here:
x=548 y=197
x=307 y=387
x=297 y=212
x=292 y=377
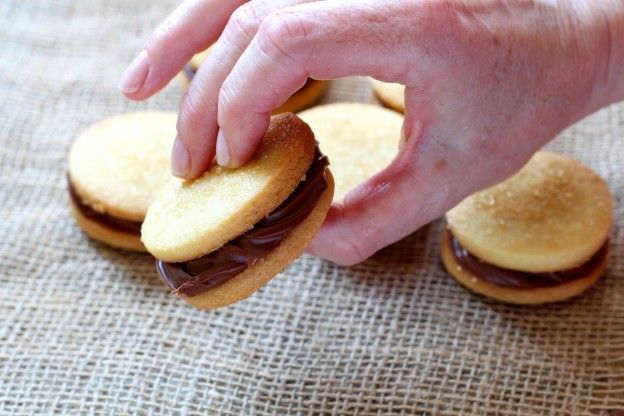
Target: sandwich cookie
x=115 y=169
x=360 y=140
x=224 y=235
x=390 y=94
x=305 y=97
x=540 y=236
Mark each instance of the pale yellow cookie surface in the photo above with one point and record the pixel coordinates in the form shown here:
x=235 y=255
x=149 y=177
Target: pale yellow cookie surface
x=190 y=219
x=198 y=58
x=392 y=95
x=259 y=274
x=359 y=139
x=552 y=215
x=305 y=97
x=555 y=293
x=119 y=164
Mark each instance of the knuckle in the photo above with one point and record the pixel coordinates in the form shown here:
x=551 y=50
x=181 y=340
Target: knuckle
x=351 y=251
x=284 y=31
x=244 y=22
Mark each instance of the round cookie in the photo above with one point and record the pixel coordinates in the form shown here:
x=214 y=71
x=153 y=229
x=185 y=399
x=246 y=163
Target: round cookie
x=360 y=140
x=519 y=296
x=303 y=98
x=390 y=94
x=552 y=215
x=115 y=169
x=246 y=224
x=540 y=236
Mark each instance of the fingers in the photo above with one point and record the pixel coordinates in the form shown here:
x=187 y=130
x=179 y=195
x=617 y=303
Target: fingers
x=320 y=40
x=191 y=28
x=197 y=123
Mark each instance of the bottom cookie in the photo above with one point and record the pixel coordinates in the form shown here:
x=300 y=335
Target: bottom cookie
x=106 y=235
x=522 y=296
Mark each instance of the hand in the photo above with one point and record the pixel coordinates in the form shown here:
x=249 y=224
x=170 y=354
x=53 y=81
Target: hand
x=487 y=84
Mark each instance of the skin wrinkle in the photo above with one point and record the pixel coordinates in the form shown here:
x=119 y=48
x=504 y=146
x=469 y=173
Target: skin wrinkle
x=352 y=243
x=194 y=106
x=368 y=191
x=227 y=100
x=275 y=97
x=244 y=21
x=284 y=32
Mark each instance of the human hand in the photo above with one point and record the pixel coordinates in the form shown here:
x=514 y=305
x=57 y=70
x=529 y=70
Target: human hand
x=487 y=84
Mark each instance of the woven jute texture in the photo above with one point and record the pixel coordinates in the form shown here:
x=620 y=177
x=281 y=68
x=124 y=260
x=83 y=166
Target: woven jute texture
x=86 y=329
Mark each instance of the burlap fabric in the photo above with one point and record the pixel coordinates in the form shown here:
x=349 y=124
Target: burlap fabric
x=86 y=329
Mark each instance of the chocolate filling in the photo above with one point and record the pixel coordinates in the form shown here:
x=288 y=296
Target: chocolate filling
x=193 y=277
x=514 y=279
x=105 y=220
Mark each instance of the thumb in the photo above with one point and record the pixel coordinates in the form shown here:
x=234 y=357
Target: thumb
x=411 y=192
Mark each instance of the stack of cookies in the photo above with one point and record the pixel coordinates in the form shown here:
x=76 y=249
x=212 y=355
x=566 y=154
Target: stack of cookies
x=115 y=169
x=540 y=236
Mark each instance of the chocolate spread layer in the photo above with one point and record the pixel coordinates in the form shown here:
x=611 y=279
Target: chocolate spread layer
x=196 y=276
x=514 y=279
x=105 y=220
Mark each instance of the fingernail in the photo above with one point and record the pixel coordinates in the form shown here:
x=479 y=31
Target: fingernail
x=134 y=77
x=180 y=159
x=224 y=156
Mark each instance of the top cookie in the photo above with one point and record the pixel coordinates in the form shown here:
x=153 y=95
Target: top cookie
x=360 y=140
x=392 y=95
x=552 y=215
x=190 y=219
x=118 y=165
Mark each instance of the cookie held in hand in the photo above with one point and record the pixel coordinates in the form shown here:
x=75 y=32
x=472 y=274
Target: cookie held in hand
x=115 y=169
x=540 y=236
x=224 y=235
